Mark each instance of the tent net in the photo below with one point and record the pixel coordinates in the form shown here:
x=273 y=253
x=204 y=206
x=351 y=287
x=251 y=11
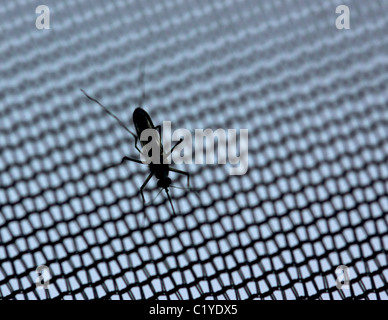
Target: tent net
x=314 y=99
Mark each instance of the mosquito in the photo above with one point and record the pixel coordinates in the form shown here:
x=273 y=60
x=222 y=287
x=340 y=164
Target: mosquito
x=161 y=170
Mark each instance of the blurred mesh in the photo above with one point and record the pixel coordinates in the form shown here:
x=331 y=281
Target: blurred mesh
x=313 y=98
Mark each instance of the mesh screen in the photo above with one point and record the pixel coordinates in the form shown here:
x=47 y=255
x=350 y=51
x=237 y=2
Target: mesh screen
x=314 y=99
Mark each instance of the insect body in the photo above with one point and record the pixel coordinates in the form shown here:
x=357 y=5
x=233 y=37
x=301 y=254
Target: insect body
x=161 y=169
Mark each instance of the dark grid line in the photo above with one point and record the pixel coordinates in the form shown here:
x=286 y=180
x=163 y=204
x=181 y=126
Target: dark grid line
x=315 y=196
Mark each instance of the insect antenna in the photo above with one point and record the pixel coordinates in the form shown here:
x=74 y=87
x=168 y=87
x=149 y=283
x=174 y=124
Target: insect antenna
x=109 y=112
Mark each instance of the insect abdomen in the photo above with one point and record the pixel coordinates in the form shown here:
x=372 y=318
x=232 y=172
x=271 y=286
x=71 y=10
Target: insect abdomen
x=142 y=121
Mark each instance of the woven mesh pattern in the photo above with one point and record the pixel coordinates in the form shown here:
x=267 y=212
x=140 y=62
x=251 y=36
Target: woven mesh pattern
x=313 y=98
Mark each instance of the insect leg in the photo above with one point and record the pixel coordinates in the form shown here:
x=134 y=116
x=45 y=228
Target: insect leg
x=153 y=200
x=122 y=161
x=182 y=172
x=136 y=140
x=130 y=159
x=169 y=199
x=172 y=149
x=144 y=185
x=159 y=128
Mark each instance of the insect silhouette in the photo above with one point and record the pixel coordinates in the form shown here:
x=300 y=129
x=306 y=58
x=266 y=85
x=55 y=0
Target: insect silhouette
x=160 y=169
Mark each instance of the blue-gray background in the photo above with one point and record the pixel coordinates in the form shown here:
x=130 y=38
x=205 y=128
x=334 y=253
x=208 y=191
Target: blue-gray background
x=313 y=98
